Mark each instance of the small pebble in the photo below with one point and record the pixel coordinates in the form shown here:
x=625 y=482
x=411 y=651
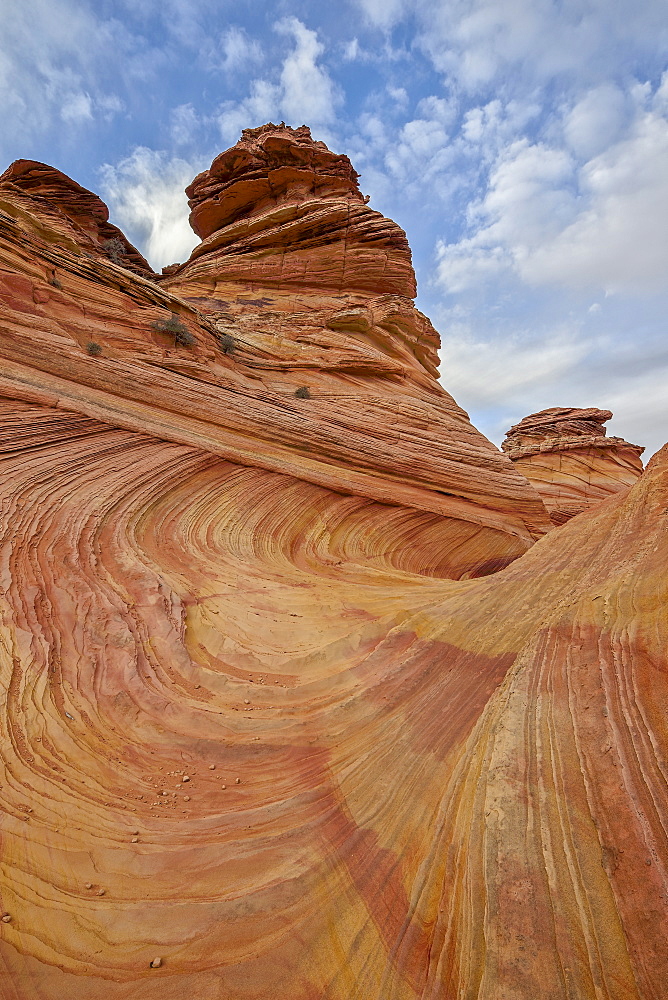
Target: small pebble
x=6 y=918
x=246 y=701
x=100 y=892
x=156 y=963
x=237 y=781
x=185 y=778
x=212 y=767
x=197 y=685
x=223 y=786
x=135 y=840
x=89 y=885
x=186 y=798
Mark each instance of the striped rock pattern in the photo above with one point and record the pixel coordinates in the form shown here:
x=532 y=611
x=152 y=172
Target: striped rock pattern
x=264 y=734
x=565 y=454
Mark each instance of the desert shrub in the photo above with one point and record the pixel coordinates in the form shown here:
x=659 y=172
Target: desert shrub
x=115 y=249
x=227 y=343
x=177 y=328
x=302 y=392
x=93 y=348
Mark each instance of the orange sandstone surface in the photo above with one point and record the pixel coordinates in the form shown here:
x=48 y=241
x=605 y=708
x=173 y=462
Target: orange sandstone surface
x=565 y=454
x=304 y=695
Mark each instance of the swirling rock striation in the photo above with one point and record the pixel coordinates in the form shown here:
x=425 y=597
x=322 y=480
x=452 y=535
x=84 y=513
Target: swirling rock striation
x=565 y=454
x=211 y=359
x=261 y=735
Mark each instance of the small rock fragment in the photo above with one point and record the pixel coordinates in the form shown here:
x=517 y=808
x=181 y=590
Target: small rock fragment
x=100 y=892
x=135 y=840
x=6 y=918
x=156 y=963
x=237 y=781
x=186 y=798
x=185 y=778
x=89 y=885
x=212 y=767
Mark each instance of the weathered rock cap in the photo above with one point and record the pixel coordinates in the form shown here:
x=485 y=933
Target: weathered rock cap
x=269 y=165
x=84 y=211
x=562 y=428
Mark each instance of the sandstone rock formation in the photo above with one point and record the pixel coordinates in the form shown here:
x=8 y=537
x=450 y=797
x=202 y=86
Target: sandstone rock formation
x=565 y=454
x=69 y=211
x=267 y=729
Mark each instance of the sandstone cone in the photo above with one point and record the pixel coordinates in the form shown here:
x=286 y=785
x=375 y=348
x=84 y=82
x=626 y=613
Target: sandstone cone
x=565 y=454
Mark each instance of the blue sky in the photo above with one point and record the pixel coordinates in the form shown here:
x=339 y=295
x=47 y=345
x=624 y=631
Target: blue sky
x=522 y=144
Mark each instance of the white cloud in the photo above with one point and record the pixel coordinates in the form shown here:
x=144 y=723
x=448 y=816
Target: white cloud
x=308 y=92
x=185 y=123
x=384 y=13
x=261 y=105
x=240 y=52
x=597 y=120
x=351 y=50
x=76 y=108
x=619 y=241
x=476 y=42
x=51 y=52
x=482 y=372
x=528 y=199
x=304 y=94
x=146 y=197
x=552 y=219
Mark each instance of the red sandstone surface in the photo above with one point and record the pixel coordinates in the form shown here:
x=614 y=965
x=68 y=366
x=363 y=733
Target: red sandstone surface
x=303 y=694
x=565 y=454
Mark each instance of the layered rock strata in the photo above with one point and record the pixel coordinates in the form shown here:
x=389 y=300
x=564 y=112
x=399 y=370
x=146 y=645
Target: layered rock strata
x=565 y=454
x=257 y=740
x=335 y=387
x=70 y=212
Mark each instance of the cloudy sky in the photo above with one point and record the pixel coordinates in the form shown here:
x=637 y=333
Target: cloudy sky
x=522 y=145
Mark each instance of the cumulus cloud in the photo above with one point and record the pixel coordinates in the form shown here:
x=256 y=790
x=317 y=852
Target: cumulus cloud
x=601 y=224
x=596 y=120
x=303 y=94
x=307 y=90
x=619 y=241
x=146 y=197
x=476 y=42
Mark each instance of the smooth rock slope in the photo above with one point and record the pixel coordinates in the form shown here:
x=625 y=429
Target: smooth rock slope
x=303 y=696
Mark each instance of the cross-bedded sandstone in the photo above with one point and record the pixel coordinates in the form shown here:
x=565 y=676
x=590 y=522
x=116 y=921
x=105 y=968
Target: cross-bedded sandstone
x=565 y=453
x=302 y=697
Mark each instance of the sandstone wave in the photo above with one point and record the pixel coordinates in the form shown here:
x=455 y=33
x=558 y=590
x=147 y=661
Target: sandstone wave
x=304 y=696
